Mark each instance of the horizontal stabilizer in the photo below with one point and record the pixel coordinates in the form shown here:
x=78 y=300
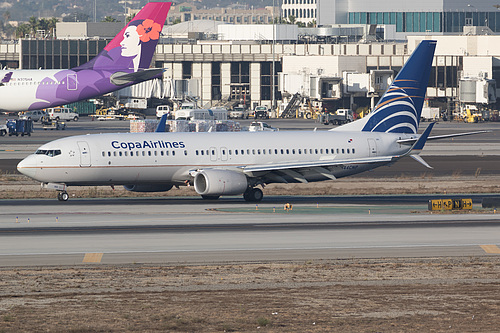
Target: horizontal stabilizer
x=122 y=78
x=440 y=137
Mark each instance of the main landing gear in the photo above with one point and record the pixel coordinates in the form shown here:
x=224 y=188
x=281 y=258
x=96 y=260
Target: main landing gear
x=253 y=194
x=62 y=196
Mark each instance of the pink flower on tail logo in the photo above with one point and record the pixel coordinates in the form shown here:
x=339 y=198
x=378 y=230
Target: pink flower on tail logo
x=148 y=30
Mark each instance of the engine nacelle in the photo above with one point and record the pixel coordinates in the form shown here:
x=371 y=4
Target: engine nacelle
x=220 y=182
x=148 y=187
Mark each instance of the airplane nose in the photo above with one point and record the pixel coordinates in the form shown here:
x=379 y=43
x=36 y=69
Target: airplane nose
x=28 y=166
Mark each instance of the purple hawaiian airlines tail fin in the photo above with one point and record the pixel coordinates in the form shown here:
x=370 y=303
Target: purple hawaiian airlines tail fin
x=133 y=48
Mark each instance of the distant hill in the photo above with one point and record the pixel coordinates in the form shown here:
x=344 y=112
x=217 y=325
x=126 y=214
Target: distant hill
x=83 y=10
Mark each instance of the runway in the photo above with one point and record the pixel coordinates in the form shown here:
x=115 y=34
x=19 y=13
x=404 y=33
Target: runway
x=190 y=230
x=118 y=232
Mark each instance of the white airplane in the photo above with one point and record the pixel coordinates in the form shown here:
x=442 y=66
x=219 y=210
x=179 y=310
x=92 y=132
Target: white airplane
x=123 y=62
x=227 y=163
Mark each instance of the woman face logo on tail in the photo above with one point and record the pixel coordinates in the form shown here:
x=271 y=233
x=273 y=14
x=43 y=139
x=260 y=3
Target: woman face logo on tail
x=137 y=35
x=131 y=43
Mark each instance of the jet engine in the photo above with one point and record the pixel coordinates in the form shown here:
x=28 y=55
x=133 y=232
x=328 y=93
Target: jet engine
x=148 y=187
x=220 y=182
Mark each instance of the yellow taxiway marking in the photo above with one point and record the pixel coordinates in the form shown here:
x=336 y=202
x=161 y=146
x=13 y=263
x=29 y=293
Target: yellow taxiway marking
x=490 y=249
x=92 y=257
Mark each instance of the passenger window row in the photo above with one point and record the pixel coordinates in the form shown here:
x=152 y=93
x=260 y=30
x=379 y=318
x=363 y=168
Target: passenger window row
x=311 y=151
x=236 y=152
x=140 y=153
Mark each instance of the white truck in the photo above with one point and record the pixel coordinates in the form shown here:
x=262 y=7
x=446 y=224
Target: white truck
x=201 y=114
x=259 y=126
x=341 y=116
x=429 y=114
x=239 y=112
x=163 y=109
x=3 y=130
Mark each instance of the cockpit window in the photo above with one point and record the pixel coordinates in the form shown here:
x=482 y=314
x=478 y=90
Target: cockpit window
x=48 y=152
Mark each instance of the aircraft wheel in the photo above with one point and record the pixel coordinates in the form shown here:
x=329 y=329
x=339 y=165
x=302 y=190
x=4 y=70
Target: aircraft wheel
x=63 y=196
x=210 y=197
x=253 y=195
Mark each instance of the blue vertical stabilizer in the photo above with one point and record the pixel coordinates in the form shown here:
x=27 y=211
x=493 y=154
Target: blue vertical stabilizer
x=399 y=109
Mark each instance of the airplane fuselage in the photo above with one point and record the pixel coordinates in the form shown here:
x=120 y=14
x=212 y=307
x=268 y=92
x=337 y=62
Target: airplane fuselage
x=168 y=158
x=38 y=89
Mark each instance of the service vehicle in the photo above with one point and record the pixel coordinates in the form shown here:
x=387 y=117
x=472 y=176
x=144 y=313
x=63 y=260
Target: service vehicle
x=261 y=112
x=201 y=114
x=429 y=114
x=163 y=109
x=471 y=114
x=107 y=114
x=259 y=126
x=340 y=117
x=34 y=115
x=3 y=130
x=62 y=114
x=239 y=112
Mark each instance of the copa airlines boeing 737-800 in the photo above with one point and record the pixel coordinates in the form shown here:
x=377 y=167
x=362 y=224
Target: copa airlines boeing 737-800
x=123 y=62
x=230 y=163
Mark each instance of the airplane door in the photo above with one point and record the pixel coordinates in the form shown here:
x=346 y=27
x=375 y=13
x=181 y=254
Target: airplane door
x=223 y=154
x=72 y=82
x=372 y=147
x=213 y=154
x=84 y=153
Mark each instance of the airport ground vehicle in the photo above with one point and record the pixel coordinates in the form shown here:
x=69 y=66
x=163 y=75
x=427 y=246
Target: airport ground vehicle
x=3 y=130
x=239 y=112
x=340 y=117
x=163 y=109
x=259 y=126
x=471 y=114
x=34 y=115
x=107 y=114
x=52 y=124
x=261 y=112
x=429 y=114
x=62 y=114
x=201 y=114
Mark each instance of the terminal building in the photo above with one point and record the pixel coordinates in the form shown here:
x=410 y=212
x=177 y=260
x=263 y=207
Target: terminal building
x=336 y=65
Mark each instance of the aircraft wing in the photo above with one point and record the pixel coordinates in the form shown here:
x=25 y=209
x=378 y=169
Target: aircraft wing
x=296 y=170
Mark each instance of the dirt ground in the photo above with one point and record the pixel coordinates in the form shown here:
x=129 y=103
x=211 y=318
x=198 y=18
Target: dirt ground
x=388 y=295
x=14 y=186
x=458 y=294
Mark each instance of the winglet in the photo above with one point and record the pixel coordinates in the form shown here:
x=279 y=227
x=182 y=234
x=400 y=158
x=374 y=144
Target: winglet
x=162 y=124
